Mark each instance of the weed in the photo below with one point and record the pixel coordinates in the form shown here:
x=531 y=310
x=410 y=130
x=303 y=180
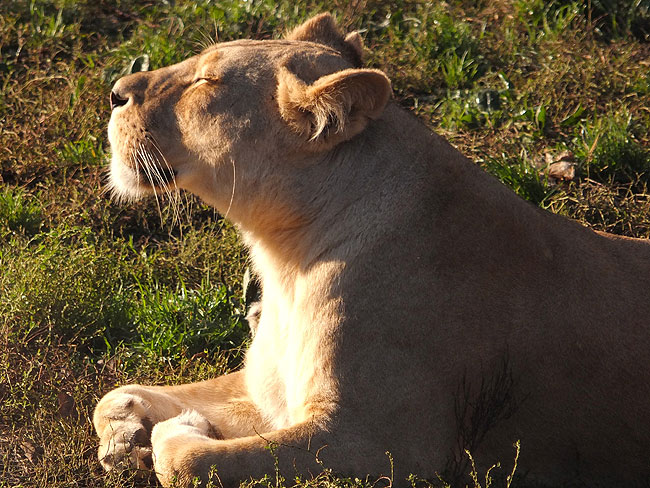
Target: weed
x=546 y=21
x=488 y=474
x=618 y=18
x=609 y=151
x=88 y=151
x=446 y=48
x=523 y=177
x=19 y=212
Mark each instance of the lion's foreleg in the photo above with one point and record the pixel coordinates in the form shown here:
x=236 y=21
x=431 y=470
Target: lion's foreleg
x=125 y=416
x=183 y=451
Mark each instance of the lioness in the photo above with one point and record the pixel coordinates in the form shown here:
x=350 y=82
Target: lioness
x=411 y=303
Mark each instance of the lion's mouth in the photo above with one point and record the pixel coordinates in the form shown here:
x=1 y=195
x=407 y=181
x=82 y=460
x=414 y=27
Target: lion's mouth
x=151 y=167
x=156 y=176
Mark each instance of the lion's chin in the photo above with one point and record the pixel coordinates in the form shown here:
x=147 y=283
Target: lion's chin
x=125 y=184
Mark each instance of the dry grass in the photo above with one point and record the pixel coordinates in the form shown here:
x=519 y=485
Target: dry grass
x=513 y=83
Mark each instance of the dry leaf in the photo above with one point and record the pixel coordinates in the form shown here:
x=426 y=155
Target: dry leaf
x=562 y=171
x=32 y=452
x=66 y=404
x=559 y=167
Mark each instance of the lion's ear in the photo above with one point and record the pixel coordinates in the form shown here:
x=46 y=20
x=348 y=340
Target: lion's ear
x=335 y=107
x=323 y=30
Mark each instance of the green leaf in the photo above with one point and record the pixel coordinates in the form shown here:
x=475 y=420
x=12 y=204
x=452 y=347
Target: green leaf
x=574 y=118
x=141 y=63
x=540 y=117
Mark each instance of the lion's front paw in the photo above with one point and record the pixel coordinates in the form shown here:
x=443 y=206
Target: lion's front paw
x=188 y=424
x=124 y=431
x=128 y=447
x=171 y=441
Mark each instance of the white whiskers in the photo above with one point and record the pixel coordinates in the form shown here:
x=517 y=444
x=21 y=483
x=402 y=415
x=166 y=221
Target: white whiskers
x=232 y=194
x=149 y=162
x=234 y=184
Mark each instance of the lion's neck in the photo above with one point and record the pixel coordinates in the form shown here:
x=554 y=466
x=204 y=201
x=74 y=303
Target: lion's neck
x=336 y=205
x=328 y=206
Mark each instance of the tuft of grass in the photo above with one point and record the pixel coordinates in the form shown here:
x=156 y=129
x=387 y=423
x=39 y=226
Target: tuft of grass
x=444 y=47
x=546 y=21
x=172 y=324
x=523 y=177
x=611 y=153
x=622 y=159
x=19 y=212
x=87 y=151
x=620 y=18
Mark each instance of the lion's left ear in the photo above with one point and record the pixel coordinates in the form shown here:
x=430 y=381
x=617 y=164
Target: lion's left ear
x=335 y=107
x=323 y=30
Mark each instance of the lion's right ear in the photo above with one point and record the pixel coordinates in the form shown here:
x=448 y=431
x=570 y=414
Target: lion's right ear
x=335 y=107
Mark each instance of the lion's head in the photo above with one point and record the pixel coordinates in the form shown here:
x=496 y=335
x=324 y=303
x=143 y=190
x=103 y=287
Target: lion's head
x=245 y=114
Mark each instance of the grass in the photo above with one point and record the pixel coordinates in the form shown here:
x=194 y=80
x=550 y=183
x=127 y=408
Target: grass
x=93 y=295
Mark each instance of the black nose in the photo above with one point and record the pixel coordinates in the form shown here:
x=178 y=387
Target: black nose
x=117 y=101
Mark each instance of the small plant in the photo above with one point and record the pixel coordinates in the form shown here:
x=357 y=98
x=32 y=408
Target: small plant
x=621 y=158
x=610 y=152
x=488 y=474
x=619 y=18
x=437 y=48
x=88 y=151
x=20 y=212
x=544 y=20
x=458 y=71
x=523 y=177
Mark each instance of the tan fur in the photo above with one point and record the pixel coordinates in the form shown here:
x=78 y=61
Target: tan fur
x=323 y=30
x=336 y=107
x=411 y=303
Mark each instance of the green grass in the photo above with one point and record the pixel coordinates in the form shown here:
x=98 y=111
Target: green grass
x=94 y=295
x=19 y=214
